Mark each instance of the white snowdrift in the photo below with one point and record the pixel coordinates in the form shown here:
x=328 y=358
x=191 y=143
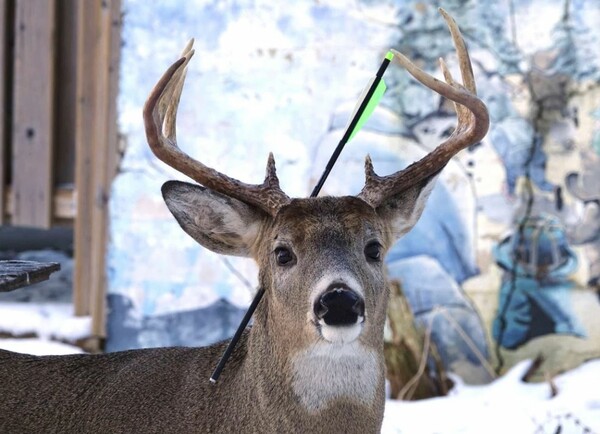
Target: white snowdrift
x=38 y=347
x=45 y=320
x=508 y=405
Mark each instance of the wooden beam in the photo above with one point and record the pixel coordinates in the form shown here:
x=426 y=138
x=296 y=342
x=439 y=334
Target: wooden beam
x=84 y=141
x=100 y=183
x=116 y=24
x=66 y=92
x=99 y=44
x=64 y=204
x=33 y=121
x=107 y=155
x=17 y=274
x=3 y=102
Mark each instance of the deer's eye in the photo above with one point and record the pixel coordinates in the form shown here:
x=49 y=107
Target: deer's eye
x=284 y=256
x=373 y=252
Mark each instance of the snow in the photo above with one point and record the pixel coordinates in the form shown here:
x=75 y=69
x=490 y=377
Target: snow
x=507 y=405
x=38 y=347
x=45 y=320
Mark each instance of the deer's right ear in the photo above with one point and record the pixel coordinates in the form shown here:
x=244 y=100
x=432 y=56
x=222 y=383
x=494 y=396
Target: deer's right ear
x=218 y=222
x=404 y=209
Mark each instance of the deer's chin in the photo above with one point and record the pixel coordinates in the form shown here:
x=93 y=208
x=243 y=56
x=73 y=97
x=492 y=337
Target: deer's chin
x=342 y=334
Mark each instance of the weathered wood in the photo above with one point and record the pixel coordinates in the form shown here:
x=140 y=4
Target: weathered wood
x=64 y=205
x=100 y=175
x=75 y=153
x=16 y=274
x=33 y=126
x=104 y=172
x=98 y=56
x=66 y=92
x=100 y=181
x=114 y=59
x=85 y=116
x=3 y=102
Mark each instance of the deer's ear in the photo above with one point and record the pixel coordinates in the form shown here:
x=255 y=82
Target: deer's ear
x=218 y=222
x=404 y=209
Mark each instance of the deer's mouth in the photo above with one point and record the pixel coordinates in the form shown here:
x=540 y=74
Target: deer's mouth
x=340 y=334
x=340 y=314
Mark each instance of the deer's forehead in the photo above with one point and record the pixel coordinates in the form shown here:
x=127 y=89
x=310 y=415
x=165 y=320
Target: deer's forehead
x=345 y=217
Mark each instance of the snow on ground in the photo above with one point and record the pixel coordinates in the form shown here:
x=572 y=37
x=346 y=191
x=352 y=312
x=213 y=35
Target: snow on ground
x=508 y=405
x=38 y=347
x=46 y=320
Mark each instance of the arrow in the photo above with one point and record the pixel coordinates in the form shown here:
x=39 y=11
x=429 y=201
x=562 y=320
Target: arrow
x=361 y=113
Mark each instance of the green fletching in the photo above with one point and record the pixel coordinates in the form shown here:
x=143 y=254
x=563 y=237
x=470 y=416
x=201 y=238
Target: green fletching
x=366 y=114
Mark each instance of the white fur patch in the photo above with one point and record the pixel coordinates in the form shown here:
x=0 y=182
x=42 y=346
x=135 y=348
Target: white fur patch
x=341 y=334
x=405 y=219
x=326 y=372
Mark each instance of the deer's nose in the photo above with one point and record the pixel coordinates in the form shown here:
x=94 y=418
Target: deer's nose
x=339 y=307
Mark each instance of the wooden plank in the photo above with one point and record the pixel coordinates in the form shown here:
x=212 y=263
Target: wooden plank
x=98 y=57
x=3 y=102
x=64 y=204
x=100 y=179
x=84 y=140
x=116 y=25
x=107 y=86
x=66 y=92
x=33 y=129
x=17 y=274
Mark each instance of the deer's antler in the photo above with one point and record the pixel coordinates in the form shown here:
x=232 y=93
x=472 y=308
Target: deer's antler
x=473 y=123
x=160 y=113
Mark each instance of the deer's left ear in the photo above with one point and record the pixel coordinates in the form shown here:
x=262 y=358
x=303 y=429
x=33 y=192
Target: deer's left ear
x=220 y=223
x=404 y=209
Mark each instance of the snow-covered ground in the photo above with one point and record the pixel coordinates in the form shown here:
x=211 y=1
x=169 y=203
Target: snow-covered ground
x=38 y=347
x=508 y=405
x=46 y=320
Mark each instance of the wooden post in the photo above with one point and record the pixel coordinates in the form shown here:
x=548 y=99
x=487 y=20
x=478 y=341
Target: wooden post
x=66 y=93
x=108 y=82
x=3 y=102
x=33 y=116
x=100 y=184
x=99 y=34
x=85 y=131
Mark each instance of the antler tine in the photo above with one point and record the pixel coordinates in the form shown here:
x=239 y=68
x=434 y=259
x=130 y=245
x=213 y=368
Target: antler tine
x=160 y=114
x=472 y=124
x=464 y=60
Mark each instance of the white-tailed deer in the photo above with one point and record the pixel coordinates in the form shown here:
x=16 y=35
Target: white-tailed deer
x=313 y=360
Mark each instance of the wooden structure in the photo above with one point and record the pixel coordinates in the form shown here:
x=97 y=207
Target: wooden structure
x=16 y=274
x=58 y=136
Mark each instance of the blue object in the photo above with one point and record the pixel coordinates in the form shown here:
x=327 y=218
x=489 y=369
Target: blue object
x=534 y=296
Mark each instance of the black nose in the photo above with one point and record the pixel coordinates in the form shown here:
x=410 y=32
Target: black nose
x=339 y=306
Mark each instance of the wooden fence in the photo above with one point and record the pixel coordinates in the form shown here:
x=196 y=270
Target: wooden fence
x=58 y=135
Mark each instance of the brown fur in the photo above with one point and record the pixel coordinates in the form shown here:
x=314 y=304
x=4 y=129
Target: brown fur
x=167 y=389
x=163 y=390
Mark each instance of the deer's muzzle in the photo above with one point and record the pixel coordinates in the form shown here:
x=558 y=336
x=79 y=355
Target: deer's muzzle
x=339 y=307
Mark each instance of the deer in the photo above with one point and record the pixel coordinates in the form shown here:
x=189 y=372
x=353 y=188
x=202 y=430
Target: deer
x=313 y=359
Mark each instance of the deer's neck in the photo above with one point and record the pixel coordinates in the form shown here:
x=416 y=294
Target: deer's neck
x=319 y=382
x=326 y=374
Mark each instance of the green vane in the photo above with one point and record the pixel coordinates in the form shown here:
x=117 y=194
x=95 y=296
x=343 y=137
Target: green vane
x=362 y=111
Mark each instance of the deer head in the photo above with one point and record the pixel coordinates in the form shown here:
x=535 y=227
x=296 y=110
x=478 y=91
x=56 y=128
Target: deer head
x=320 y=259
